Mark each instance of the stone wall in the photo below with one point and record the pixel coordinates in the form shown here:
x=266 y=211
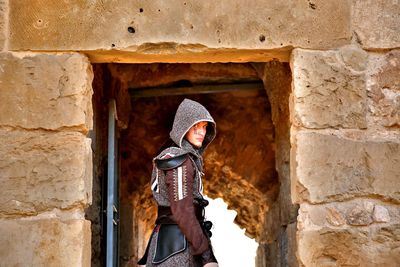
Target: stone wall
x=344 y=113
x=46 y=160
x=345 y=156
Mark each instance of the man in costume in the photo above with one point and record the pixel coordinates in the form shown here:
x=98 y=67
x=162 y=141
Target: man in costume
x=181 y=237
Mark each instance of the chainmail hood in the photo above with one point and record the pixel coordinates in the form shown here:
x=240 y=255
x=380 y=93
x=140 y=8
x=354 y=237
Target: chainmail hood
x=188 y=114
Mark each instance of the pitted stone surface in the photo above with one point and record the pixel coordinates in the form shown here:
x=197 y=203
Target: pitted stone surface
x=41 y=171
x=329 y=88
x=376 y=23
x=327 y=167
x=46 y=91
x=48 y=242
x=96 y=25
x=384 y=89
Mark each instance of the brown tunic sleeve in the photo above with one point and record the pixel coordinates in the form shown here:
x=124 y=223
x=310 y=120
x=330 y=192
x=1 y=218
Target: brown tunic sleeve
x=179 y=183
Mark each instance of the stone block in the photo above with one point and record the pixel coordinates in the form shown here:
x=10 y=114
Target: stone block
x=40 y=171
x=355 y=246
x=376 y=23
x=48 y=242
x=384 y=89
x=329 y=88
x=3 y=26
x=45 y=91
x=136 y=26
x=327 y=167
x=355 y=212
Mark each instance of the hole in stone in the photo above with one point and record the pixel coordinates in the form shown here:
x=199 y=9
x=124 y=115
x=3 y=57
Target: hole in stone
x=131 y=29
x=140 y=10
x=112 y=45
x=262 y=38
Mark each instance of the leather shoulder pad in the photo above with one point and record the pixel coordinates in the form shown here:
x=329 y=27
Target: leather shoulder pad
x=171 y=163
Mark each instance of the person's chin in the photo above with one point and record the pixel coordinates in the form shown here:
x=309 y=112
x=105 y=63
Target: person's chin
x=198 y=144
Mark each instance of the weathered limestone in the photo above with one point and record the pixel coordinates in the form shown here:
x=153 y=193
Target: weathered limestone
x=383 y=87
x=3 y=22
x=376 y=23
x=46 y=91
x=356 y=212
x=329 y=88
x=328 y=167
x=366 y=247
x=334 y=234
x=47 y=242
x=41 y=171
x=198 y=26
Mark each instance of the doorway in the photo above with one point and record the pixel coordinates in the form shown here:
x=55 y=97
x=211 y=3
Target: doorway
x=240 y=165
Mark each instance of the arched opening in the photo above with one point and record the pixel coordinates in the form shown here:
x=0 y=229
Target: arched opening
x=247 y=165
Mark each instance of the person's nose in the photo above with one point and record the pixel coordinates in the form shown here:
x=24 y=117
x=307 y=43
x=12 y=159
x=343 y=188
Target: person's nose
x=202 y=132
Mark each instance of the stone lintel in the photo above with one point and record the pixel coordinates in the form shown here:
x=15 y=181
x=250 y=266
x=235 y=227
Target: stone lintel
x=180 y=53
x=79 y=25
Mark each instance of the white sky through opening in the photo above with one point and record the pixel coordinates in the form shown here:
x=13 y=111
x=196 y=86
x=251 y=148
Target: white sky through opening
x=231 y=247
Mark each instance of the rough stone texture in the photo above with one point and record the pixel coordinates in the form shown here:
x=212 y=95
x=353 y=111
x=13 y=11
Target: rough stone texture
x=47 y=242
x=95 y=25
x=321 y=243
x=45 y=91
x=359 y=216
x=3 y=25
x=278 y=228
x=356 y=212
x=326 y=166
x=376 y=23
x=41 y=171
x=329 y=88
x=383 y=85
x=363 y=247
x=381 y=214
x=277 y=82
